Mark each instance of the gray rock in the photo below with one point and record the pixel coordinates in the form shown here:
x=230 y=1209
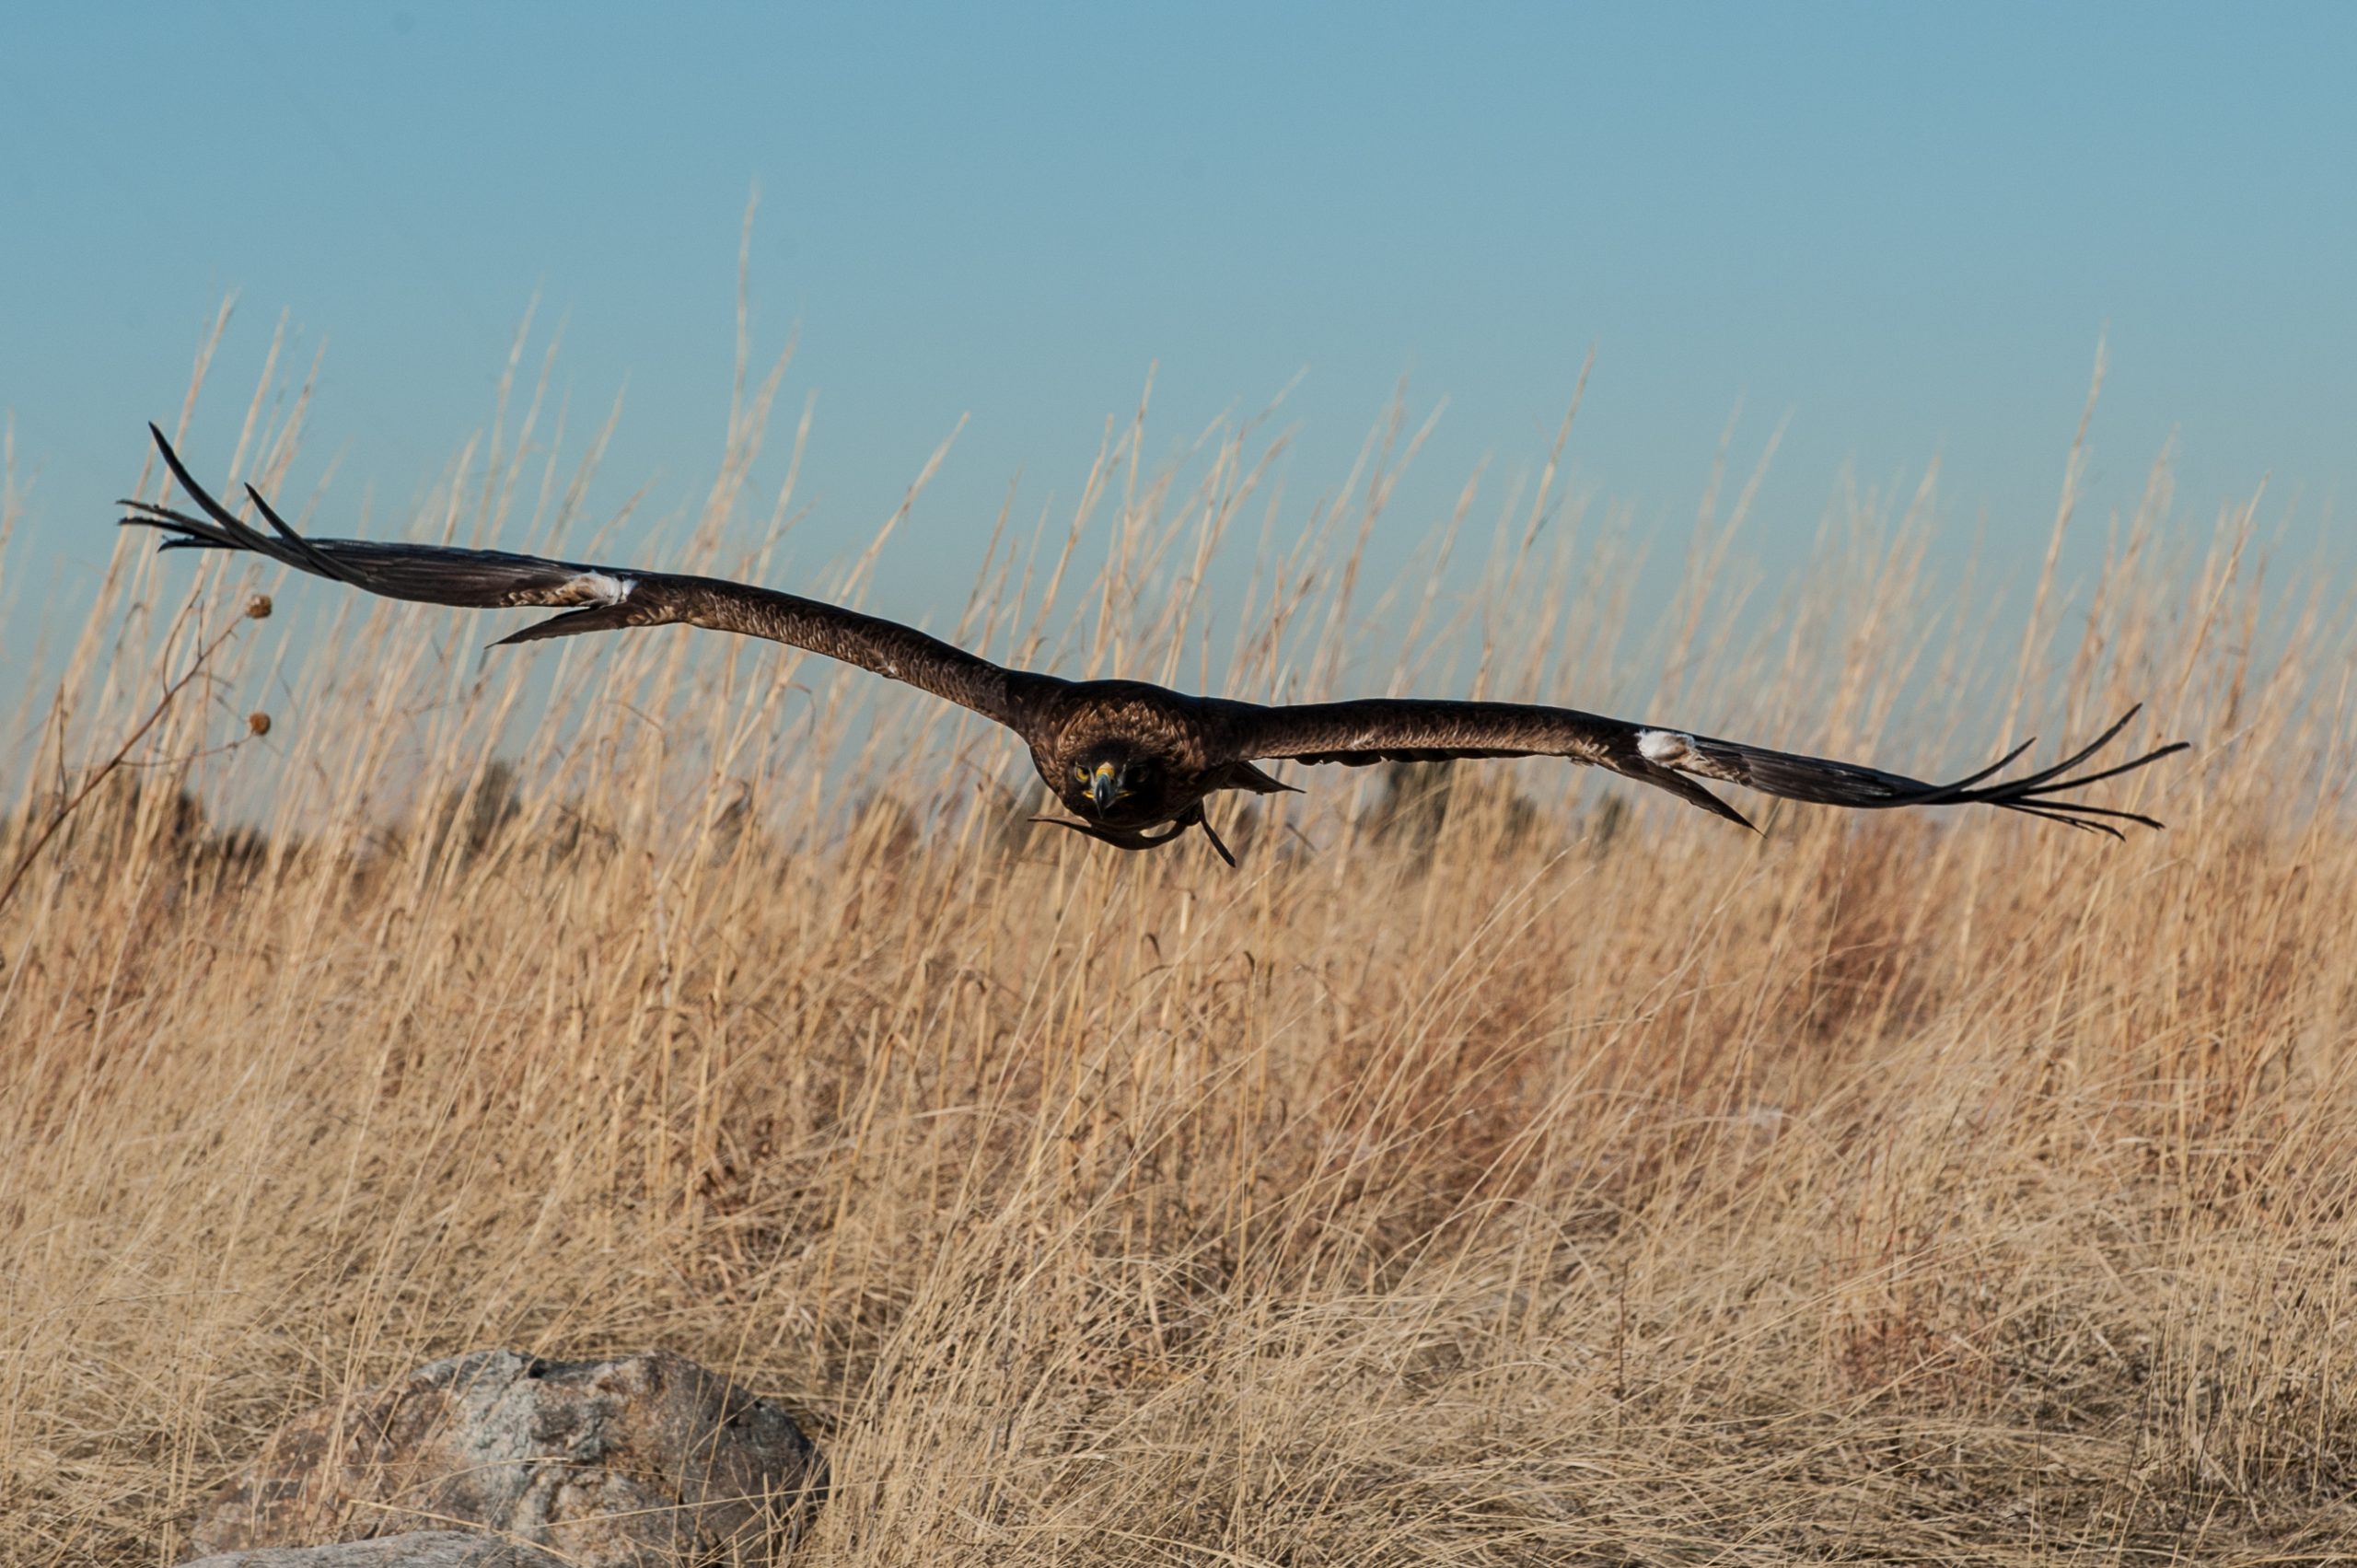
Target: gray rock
x=419 y=1548
x=644 y=1462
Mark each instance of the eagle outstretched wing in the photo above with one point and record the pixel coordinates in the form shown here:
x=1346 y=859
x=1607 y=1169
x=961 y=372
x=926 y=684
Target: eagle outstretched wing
x=597 y=598
x=1408 y=729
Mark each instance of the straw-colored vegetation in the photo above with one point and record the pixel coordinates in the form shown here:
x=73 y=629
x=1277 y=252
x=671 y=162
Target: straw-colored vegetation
x=1520 y=1173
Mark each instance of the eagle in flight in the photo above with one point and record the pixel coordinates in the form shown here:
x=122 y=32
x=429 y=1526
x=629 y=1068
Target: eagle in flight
x=1134 y=762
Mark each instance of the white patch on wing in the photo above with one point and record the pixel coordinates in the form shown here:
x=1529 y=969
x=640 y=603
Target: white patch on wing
x=595 y=587
x=1670 y=748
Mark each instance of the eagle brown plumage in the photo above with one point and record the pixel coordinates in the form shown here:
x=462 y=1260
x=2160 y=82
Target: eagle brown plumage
x=1134 y=762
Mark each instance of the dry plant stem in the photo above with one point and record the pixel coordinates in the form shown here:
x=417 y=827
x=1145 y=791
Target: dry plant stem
x=97 y=775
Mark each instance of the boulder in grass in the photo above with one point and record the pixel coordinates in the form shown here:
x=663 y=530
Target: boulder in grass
x=418 y=1548
x=643 y=1462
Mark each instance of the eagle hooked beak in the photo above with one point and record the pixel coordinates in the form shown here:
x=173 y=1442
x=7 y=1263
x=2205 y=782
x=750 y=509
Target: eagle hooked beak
x=1104 y=785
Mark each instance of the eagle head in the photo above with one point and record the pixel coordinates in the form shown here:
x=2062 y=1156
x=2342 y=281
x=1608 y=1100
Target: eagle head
x=1111 y=771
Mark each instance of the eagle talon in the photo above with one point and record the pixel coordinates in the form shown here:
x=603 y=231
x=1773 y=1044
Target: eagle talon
x=1204 y=823
x=1120 y=838
x=1138 y=837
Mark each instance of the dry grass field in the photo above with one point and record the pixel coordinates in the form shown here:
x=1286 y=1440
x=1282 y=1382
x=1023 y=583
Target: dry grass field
x=1497 y=1169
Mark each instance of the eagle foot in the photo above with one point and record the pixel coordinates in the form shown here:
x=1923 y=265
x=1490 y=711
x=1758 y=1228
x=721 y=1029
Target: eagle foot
x=1138 y=837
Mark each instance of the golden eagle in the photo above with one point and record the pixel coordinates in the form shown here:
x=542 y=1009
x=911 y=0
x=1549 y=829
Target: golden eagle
x=1134 y=762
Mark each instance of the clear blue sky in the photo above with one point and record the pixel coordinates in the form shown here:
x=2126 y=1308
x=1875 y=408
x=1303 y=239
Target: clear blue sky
x=1904 y=227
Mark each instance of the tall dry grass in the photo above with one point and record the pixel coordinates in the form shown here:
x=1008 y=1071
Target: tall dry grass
x=1518 y=1174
